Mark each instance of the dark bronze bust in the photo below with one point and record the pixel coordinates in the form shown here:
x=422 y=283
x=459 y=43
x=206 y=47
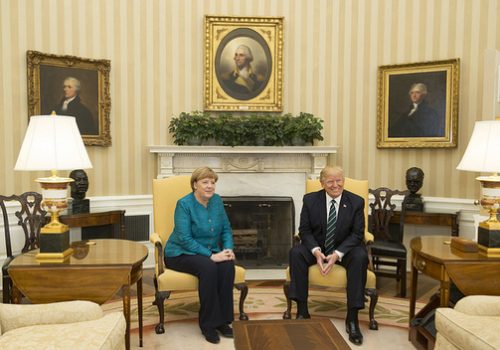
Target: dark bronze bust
x=414 y=181
x=79 y=187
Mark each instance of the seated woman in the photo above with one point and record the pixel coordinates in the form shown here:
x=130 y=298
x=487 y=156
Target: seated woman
x=201 y=244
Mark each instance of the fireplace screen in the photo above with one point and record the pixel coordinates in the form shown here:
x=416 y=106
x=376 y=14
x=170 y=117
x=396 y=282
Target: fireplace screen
x=263 y=229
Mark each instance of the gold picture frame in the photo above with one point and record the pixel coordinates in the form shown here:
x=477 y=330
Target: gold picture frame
x=258 y=41
x=418 y=105
x=52 y=79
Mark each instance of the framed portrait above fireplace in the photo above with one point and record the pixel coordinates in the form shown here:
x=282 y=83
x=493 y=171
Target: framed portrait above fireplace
x=243 y=63
x=418 y=105
x=74 y=86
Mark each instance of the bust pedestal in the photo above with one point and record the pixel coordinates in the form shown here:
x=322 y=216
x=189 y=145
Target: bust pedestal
x=80 y=206
x=413 y=202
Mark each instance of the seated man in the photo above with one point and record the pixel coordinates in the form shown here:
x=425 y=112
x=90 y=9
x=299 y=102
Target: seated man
x=332 y=225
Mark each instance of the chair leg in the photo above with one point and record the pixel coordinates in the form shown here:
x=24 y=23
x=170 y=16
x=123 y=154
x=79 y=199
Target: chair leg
x=243 y=288
x=159 y=301
x=372 y=293
x=288 y=313
x=403 y=278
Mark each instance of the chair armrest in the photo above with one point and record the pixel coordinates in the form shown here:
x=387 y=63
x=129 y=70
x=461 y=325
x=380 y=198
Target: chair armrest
x=369 y=237
x=296 y=239
x=155 y=238
x=159 y=263
x=480 y=305
x=14 y=316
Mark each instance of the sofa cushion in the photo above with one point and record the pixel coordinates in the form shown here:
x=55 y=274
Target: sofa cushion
x=14 y=315
x=481 y=305
x=107 y=332
x=468 y=331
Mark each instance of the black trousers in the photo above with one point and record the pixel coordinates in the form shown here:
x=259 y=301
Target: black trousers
x=215 y=287
x=355 y=263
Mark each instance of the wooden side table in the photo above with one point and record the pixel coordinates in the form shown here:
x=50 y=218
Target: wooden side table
x=95 y=272
x=97 y=218
x=429 y=218
x=472 y=273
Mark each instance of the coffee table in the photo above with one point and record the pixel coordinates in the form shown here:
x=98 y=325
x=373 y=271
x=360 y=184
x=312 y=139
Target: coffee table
x=95 y=271
x=315 y=333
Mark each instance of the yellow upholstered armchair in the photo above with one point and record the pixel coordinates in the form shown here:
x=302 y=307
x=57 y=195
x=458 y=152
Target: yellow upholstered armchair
x=337 y=278
x=166 y=193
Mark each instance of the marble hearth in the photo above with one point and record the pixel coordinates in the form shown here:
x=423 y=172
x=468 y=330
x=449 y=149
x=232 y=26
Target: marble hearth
x=249 y=171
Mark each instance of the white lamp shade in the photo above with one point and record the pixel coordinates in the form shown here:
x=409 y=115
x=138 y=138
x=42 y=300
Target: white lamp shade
x=52 y=142
x=483 y=151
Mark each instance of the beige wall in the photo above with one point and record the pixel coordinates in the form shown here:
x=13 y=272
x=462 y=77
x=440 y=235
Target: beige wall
x=332 y=51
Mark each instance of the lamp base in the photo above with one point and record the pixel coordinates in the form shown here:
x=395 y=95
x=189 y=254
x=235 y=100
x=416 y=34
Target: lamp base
x=54 y=257
x=54 y=243
x=488 y=239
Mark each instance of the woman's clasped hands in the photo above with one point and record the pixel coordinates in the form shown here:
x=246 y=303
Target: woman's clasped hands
x=225 y=255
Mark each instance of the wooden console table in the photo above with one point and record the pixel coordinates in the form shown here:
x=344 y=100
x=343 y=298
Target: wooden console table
x=429 y=218
x=97 y=218
x=95 y=272
x=472 y=273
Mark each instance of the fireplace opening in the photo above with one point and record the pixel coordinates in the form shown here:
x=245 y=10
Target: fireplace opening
x=263 y=229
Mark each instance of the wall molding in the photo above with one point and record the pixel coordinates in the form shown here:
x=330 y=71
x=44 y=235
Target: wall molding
x=143 y=205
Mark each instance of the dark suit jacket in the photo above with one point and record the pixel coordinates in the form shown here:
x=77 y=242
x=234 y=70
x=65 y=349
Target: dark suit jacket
x=350 y=228
x=424 y=122
x=82 y=114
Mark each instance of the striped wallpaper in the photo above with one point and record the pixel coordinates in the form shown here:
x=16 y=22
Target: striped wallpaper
x=331 y=53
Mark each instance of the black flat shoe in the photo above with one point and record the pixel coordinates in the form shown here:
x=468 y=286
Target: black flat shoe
x=226 y=331
x=211 y=336
x=355 y=336
x=302 y=317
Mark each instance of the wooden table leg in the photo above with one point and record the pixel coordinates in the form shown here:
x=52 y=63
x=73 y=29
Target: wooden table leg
x=139 y=308
x=122 y=225
x=16 y=295
x=413 y=296
x=444 y=295
x=126 y=313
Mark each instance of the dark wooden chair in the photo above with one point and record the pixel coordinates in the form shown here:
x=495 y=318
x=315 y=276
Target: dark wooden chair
x=387 y=248
x=31 y=217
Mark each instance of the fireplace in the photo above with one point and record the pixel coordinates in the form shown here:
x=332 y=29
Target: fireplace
x=263 y=227
x=254 y=172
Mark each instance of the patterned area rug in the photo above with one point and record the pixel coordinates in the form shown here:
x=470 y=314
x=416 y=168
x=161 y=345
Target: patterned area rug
x=269 y=300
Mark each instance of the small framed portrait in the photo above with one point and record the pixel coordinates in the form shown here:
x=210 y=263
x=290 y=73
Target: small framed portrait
x=418 y=105
x=243 y=63
x=74 y=86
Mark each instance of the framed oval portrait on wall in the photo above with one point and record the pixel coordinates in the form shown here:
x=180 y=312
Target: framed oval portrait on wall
x=243 y=64
x=243 y=58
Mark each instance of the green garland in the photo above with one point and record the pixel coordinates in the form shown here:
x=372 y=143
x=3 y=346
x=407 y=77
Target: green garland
x=261 y=129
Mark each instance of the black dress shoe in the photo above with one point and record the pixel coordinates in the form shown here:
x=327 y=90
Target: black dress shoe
x=211 y=336
x=355 y=336
x=302 y=317
x=226 y=331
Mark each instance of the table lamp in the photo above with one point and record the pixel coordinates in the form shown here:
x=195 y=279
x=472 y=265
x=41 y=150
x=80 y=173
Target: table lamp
x=53 y=142
x=483 y=155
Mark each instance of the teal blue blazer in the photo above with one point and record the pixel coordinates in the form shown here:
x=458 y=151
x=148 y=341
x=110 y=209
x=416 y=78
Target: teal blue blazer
x=199 y=230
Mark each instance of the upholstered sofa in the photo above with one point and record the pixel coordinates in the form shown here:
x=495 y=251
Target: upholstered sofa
x=474 y=323
x=65 y=325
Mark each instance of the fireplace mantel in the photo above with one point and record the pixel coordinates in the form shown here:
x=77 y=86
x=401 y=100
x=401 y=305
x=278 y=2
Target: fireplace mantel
x=176 y=160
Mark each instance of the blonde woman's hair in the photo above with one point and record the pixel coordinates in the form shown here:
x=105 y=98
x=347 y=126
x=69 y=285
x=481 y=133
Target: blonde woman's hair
x=202 y=173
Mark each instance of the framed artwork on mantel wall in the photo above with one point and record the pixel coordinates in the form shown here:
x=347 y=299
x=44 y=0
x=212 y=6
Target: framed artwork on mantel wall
x=243 y=63
x=74 y=86
x=418 y=105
